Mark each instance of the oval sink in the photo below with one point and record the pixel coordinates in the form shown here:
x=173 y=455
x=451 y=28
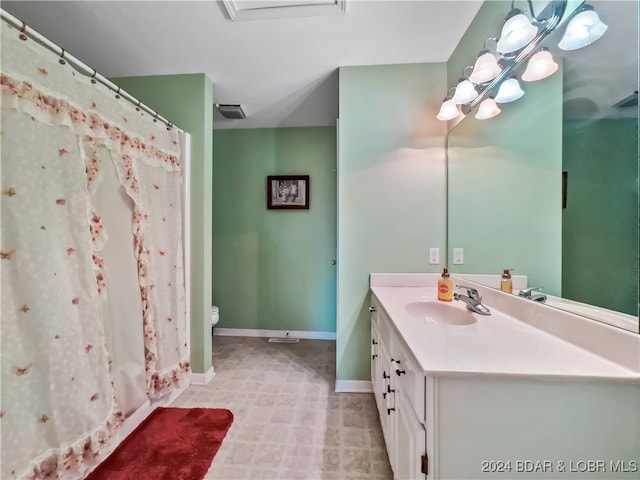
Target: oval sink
x=440 y=313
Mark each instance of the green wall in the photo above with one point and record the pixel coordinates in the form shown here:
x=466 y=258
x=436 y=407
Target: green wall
x=272 y=268
x=187 y=101
x=600 y=228
x=505 y=180
x=391 y=190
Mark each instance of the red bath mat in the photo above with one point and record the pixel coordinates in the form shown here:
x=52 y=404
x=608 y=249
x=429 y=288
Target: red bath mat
x=170 y=444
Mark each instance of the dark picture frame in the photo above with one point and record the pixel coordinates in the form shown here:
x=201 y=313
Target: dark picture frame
x=288 y=192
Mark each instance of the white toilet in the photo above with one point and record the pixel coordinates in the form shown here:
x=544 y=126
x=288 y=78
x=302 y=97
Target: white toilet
x=215 y=315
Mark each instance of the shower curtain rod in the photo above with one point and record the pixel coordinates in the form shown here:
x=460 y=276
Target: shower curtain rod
x=81 y=66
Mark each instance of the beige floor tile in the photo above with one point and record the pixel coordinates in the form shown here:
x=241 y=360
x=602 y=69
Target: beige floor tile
x=289 y=424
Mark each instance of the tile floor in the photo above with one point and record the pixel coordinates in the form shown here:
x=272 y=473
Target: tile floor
x=289 y=424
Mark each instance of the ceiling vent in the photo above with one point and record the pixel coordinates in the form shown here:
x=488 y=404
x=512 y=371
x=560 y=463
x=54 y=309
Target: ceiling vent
x=240 y=10
x=231 y=111
x=630 y=101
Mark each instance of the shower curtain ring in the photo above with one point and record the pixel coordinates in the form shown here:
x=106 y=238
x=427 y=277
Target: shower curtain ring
x=118 y=93
x=61 y=61
x=93 y=77
x=22 y=31
x=138 y=106
x=155 y=117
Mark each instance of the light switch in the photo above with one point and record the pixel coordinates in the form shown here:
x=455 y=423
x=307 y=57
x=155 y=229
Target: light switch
x=458 y=256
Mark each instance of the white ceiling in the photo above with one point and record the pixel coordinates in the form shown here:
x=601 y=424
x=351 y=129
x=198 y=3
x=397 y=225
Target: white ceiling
x=284 y=70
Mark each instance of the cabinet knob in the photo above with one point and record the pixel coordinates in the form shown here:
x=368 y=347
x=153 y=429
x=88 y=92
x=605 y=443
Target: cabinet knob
x=372 y=309
x=396 y=366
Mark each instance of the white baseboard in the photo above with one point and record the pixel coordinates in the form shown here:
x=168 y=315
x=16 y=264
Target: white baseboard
x=251 y=332
x=202 y=378
x=354 y=386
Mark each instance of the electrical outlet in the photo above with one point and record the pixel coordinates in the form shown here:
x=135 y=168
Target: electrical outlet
x=434 y=256
x=458 y=256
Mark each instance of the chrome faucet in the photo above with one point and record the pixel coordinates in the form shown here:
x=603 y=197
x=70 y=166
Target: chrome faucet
x=473 y=300
x=528 y=294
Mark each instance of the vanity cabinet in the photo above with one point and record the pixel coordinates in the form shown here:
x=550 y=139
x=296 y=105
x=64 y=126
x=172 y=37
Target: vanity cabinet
x=381 y=373
x=399 y=390
x=449 y=413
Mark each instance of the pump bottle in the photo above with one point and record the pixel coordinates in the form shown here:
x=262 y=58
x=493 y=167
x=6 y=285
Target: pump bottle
x=445 y=287
x=506 y=285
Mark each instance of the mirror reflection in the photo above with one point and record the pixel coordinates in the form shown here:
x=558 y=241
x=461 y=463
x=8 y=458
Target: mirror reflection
x=549 y=188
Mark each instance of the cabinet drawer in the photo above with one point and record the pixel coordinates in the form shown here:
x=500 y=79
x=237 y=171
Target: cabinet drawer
x=408 y=376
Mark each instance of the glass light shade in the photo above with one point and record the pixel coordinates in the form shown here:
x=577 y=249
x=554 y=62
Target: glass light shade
x=509 y=91
x=540 y=66
x=485 y=69
x=516 y=33
x=487 y=109
x=465 y=92
x=583 y=29
x=448 y=110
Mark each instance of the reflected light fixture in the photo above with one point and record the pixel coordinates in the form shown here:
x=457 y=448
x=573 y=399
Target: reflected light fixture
x=540 y=66
x=487 y=109
x=465 y=92
x=509 y=91
x=486 y=67
x=517 y=32
x=583 y=29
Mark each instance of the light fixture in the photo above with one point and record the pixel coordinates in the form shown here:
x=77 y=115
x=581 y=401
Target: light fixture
x=488 y=109
x=517 y=32
x=540 y=66
x=486 y=67
x=583 y=29
x=465 y=92
x=509 y=91
x=520 y=41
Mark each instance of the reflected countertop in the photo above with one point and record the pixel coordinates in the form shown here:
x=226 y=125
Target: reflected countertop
x=617 y=319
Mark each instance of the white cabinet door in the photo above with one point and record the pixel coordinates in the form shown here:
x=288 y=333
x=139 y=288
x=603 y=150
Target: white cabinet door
x=410 y=441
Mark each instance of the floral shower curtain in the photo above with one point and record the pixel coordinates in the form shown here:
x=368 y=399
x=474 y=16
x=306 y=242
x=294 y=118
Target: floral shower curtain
x=59 y=398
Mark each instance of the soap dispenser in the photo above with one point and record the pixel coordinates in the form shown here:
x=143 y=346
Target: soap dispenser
x=445 y=287
x=506 y=285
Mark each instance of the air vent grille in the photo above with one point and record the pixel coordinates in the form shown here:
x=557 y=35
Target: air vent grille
x=630 y=101
x=231 y=111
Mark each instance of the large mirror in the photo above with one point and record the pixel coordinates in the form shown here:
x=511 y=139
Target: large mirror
x=549 y=188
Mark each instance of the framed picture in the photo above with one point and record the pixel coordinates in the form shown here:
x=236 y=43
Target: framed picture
x=288 y=192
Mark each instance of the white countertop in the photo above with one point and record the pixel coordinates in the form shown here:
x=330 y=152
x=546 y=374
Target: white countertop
x=497 y=344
